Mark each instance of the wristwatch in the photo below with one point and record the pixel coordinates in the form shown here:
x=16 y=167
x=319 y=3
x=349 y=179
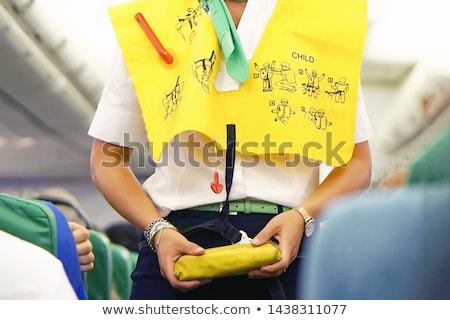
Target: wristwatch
x=310 y=223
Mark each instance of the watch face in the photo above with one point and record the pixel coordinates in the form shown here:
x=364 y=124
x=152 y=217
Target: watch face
x=309 y=228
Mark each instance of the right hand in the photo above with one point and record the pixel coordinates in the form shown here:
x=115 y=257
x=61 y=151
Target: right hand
x=172 y=246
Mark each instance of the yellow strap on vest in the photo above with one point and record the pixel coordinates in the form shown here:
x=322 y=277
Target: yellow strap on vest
x=301 y=96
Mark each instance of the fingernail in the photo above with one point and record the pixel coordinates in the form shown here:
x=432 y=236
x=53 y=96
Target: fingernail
x=198 y=250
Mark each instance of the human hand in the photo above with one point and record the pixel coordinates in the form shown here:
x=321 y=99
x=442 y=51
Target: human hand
x=287 y=228
x=172 y=245
x=84 y=246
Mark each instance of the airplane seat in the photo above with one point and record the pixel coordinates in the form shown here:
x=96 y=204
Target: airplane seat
x=81 y=217
x=381 y=245
x=99 y=279
x=122 y=269
x=432 y=163
x=43 y=224
x=133 y=259
x=67 y=251
x=29 y=221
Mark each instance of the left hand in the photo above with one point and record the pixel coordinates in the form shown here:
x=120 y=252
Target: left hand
x=84 y=246
x=287 y=228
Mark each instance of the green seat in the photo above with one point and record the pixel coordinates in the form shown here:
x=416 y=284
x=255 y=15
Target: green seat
x=431 y=165
x=133 y=260
x=30 y=220
x=99 y=279
x=122 y=269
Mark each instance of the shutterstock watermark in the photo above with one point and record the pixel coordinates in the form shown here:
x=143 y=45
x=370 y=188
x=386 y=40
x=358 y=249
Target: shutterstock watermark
x=186 y=153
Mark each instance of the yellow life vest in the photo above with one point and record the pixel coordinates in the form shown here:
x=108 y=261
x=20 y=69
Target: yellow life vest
x=302 y=93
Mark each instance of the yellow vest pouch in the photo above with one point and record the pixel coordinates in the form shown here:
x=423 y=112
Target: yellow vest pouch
x=230 y=260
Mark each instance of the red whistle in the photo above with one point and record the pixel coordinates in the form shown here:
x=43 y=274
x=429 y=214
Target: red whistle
x=216 y=187
x=167 y=57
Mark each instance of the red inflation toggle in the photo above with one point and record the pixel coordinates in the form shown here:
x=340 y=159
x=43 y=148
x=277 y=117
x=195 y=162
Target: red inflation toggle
x=167 y=57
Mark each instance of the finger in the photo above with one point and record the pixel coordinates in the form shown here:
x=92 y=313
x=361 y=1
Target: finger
x=275 y=268
x=84 y=247
x=263 y=236
x=192 y=248
x=73 y=225
x=86 y=259
x=262 y=274
x=86 y=267
x=184 y=285
x=80 y=234
x=269 y=270
x=191 y=284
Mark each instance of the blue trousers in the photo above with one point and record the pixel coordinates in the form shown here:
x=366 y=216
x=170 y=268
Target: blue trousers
x=148 y=284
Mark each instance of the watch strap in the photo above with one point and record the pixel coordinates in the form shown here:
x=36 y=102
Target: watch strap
x=305 y=214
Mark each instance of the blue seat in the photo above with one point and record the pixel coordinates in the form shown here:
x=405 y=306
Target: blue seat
x=382 y=245
x=67 y=253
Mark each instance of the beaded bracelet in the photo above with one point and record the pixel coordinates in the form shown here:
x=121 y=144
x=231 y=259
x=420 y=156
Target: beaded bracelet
x=153 y=228
x=149 y=227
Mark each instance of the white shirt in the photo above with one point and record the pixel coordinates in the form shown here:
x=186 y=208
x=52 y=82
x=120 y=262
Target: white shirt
x=182 y=179
x=29 y=272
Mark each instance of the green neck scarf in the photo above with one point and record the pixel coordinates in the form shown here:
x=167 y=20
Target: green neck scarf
x=235 y=59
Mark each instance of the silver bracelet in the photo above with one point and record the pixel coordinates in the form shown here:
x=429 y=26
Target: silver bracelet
x=148 y=228
x=160 y=230
x=153 y=228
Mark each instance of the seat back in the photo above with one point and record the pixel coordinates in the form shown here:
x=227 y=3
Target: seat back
x=432 y=164
x=30 y=220
x=67 y=251
x=382 y=245
x=81 y=217
x=122 y=269
x=43 y=224
x=133 y=259
x=99 y=279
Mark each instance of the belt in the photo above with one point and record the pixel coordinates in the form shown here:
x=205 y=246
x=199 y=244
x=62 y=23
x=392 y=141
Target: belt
x=244 y=206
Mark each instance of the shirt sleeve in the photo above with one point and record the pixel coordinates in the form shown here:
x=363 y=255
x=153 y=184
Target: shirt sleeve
x=363 y=128
x=118 y=118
